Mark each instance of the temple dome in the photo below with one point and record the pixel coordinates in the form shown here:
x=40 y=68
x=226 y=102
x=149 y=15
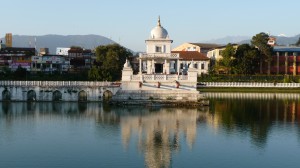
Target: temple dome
x=159 y=32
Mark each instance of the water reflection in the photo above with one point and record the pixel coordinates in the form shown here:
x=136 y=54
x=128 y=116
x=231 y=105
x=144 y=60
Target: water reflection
x=254 y=113
x=158 y=133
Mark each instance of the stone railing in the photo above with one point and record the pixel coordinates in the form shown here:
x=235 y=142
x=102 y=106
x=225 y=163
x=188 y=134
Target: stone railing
x=56 y=83
x=248 y=84
x=160 y=55
x=219 y=95
x=159 y=77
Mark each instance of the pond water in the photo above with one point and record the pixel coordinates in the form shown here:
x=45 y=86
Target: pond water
x=234 y=131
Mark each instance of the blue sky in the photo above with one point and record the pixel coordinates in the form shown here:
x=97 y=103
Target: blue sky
x=130 y=21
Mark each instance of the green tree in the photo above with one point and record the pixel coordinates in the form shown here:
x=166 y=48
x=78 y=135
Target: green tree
x=227 y=54
x=5 y=73
x=261 y=42
x=246 y=59
x=20 y=73
x=111 y=58
x=93 y=73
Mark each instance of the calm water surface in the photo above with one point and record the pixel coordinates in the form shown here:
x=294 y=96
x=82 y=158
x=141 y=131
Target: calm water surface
x=234 y=131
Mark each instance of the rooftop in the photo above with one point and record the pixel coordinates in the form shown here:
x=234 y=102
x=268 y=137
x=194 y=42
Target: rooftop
x=206 y=45
x=191 y=55
x=286 y=49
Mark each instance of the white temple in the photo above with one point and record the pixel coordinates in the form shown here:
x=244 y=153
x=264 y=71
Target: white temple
x=158 y=58
x=159 y=76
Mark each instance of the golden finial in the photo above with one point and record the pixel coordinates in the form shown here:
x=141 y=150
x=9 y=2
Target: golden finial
x=158 y=23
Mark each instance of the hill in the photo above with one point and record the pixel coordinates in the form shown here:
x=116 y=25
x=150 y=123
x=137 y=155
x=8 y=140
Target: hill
x=281 y=40
x=228 y=39
x=54 y=41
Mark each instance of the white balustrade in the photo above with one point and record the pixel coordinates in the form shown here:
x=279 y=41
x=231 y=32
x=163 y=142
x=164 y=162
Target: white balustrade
x=54 y=83
x=159 y=77
x=248 y=84
x=160 y=55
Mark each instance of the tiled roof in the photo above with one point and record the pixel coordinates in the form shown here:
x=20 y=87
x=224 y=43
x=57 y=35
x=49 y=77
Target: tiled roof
x=191 y=55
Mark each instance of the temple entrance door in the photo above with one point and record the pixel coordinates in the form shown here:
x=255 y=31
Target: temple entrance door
x=158 y=68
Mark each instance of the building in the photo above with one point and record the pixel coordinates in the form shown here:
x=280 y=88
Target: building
x=272 y=41
x=200 y=47
x=44 y=51
x=62 y=51
x=285 y=60
x=158 y=58
x=215 y=54
x=8 y=40
x=80 y=58
x=49 y=64
x=13 y=57
x=201 y=61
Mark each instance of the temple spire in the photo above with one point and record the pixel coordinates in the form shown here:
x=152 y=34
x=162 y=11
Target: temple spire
x=158 y=23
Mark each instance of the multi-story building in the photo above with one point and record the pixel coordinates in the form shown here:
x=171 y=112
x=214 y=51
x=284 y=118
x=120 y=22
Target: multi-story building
x=49 y=64
x=80 y=58
x=201 y=61
x=8 y=40
x=62 y=51
x=13 y=57
x=285 y=60
x=215 y=54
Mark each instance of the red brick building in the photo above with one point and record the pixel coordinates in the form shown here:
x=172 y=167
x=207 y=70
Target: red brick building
x=286 y=60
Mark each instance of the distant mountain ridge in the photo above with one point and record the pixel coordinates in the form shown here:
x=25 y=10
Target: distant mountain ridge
x=53 y=41
x=227 y=39
x=281 y=40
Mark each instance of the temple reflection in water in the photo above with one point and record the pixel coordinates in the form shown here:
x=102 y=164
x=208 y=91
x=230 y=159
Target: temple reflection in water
x=159 y=133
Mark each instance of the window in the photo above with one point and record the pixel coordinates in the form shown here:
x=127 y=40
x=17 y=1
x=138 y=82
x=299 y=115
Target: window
x=196 y=66
x=202 y=66
x=158 y=49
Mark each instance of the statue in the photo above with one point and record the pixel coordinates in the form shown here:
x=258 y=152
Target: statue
x=127 y=64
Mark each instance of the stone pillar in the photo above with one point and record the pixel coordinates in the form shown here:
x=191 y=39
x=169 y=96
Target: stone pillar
x=286 y=63
x=153 y=66
x=140 y=67
x=165 y=67
x=178 y=66
x=149 y=67
x=294 y=64
x=277 y=63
